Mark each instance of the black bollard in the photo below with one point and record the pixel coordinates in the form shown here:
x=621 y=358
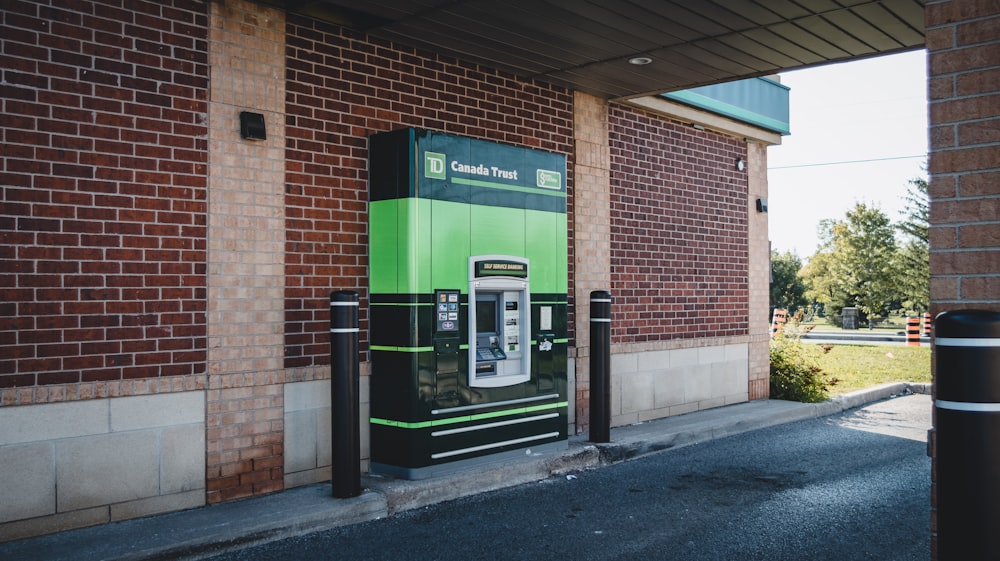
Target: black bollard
x=967 y=409
x=600 y=366
x=345 y=394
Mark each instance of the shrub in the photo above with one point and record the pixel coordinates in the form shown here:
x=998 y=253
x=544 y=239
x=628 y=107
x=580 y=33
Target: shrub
x=795 y=371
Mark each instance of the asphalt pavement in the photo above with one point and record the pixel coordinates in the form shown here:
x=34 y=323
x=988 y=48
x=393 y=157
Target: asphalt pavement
x=210 y=530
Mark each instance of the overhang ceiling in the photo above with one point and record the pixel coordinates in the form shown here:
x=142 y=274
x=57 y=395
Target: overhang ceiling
x=586 y=44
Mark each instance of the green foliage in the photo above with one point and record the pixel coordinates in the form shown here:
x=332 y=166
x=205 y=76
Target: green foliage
x=822 y=286
x=913 y=259
x=787 y=287
x=913 y=264
x=856 y=265
x=860 y=263
x=916 y=215
x=795 y=371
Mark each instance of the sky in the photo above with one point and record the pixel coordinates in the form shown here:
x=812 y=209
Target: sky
x=859 y=134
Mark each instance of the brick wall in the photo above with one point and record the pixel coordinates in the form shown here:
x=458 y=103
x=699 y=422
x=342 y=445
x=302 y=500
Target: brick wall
x=964 y=94
x=342 y=87
x=244 y=400
x=591 y=266
x=759 y=374
x=965 y=159
x=679 y=230
x=103 y=176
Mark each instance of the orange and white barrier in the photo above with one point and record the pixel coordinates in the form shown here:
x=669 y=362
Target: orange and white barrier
x=913 y=332
x=778 y=319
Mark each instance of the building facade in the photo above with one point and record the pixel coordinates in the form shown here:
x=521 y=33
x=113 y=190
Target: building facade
x=166 y=282
x=164 y=338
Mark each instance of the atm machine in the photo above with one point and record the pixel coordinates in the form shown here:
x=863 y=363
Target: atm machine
x=468 y=302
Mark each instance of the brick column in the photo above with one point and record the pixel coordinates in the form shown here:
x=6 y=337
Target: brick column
x=962 y=41
x=964 y=95
x=592 y=229
x=246 y=220
x=760 y=275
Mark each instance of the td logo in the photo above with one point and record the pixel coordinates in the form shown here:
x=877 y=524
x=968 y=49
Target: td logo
x=434 y=165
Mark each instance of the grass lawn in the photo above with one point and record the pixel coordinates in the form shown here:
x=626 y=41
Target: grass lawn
x=858 y=367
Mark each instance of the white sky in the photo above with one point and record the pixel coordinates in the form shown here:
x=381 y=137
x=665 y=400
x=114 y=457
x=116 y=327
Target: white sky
x=872 y=113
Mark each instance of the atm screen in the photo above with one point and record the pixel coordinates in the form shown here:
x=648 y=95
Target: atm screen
x=486 y=315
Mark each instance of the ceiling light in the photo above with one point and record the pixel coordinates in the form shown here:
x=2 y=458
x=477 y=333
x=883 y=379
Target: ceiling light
x=640 y=60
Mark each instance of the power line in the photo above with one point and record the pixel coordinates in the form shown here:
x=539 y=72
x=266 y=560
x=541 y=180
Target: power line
x=849 y=162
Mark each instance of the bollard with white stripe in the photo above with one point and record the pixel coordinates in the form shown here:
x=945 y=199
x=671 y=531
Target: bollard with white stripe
x=967 y=434
x=600 y=366
x=345 y=394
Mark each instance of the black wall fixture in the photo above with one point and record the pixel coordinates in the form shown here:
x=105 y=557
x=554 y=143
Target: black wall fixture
x=252 y=126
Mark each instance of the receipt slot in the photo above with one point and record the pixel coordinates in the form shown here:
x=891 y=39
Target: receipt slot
x=499 y=326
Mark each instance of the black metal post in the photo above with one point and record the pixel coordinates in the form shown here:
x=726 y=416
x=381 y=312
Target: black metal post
x=967 y=440
x=345 y=394
x=600 y=366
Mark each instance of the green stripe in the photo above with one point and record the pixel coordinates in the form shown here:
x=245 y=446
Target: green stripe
x=467 y=418
x=463 y=346
x=419 y=304
x=492 y=185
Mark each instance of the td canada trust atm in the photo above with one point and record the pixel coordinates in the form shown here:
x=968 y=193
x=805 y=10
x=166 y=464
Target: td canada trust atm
x=468 y=302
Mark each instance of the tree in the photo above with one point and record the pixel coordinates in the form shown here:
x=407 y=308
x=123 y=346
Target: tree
x=916 y=215
x=787 y=288
x=869 y=259
x=855 y=265
x=822 y=284
x=913 y=260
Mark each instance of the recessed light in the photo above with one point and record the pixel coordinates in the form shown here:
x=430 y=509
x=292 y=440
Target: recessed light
x=640 y=60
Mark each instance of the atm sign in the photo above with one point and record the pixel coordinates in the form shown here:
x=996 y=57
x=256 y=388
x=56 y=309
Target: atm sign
x=548 y=179
x=501 y=269
x=434 y=165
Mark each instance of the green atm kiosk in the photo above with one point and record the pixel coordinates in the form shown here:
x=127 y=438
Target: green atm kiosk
x=468 y=302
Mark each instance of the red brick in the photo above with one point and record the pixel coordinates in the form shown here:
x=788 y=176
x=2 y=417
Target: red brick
x=943 y=288
x=943 y=237
x=985 y=183
x=945 y=13
x=956 y=110
x=979 y=132
x=980 y=236
x=667 y=218
x=964 y=262
x=983 y=81
x=376 y=93
x=973 y=159
x=980 y=288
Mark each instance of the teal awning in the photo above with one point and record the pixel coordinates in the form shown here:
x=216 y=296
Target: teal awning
x=761 y=102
